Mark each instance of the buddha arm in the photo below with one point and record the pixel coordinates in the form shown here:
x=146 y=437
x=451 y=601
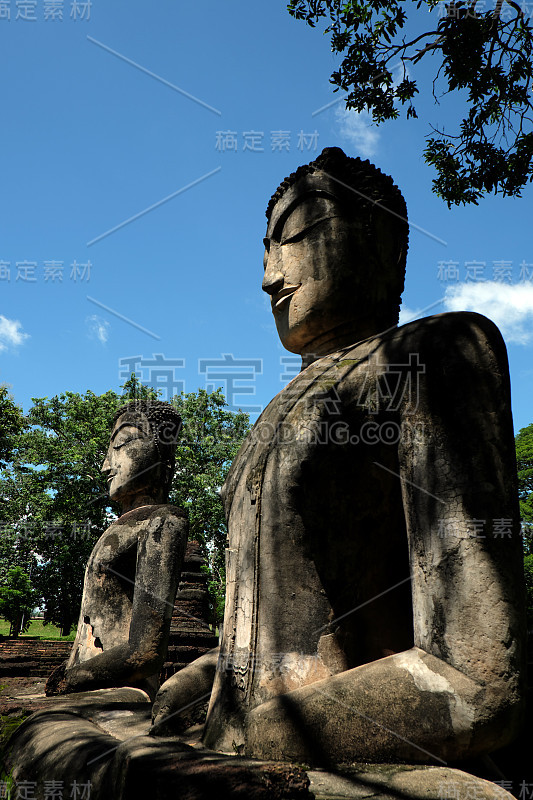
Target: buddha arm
x=160 y=551
x=461 y=507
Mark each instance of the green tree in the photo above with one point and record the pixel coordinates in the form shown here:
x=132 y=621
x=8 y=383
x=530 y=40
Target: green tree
x=12 y=423
x=66 y=506
x=485 y=57
x=133 y=389
x=17 y=599
x=524 y=462
x=14 y=549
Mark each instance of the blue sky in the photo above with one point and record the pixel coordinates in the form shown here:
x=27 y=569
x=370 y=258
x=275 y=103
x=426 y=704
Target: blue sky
x=116 y=158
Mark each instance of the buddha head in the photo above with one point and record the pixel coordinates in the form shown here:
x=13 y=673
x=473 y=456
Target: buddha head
x=140 y=461
x=335 y=253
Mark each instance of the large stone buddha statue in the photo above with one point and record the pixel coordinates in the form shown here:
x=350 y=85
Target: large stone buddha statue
x=374 y=607
x=133 y=572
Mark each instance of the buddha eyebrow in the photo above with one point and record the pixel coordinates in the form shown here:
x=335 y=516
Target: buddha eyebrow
x=278 y=227
x=126 y=425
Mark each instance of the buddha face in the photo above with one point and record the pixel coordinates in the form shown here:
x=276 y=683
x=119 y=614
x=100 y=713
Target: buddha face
x=312 y=256
x=133 y=465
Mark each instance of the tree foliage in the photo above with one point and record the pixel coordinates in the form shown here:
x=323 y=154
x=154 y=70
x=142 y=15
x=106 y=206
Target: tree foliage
x=17 y=599
x=14 y=550
x=59 y=504
x=524 y=462
x=13 y=423
x=484 y=56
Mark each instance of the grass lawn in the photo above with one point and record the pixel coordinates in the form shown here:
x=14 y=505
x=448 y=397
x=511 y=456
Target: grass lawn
x=37 y=629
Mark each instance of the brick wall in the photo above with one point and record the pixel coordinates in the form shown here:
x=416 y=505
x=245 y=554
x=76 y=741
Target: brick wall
x=31 y=657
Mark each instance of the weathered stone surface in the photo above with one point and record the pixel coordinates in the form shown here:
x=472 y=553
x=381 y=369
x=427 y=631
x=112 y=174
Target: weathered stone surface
x=367 y=617
x=73 y=743
x=63 y=742
x=393 y=781
x=128 y=596
x=168 y=769
x=31 y=703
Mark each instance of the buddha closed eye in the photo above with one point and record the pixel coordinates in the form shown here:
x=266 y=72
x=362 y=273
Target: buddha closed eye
x=127 y=434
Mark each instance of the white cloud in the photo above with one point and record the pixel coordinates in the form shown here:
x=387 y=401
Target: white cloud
x=98 y=328
x=356 y=128
x=10 y=333
x=509 y=306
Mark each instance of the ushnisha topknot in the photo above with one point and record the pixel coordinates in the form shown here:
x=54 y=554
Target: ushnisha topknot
x=370 y=185
x=164 y=421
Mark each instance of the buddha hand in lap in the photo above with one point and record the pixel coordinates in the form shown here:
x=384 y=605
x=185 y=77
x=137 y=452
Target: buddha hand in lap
x=368 y=617
x=134 y=569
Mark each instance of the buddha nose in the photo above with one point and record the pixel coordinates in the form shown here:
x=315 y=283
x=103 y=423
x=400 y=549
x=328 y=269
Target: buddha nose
x=273 y=278
x=106 y=466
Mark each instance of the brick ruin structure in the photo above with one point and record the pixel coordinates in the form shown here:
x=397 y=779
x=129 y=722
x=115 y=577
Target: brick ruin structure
x=190 y=634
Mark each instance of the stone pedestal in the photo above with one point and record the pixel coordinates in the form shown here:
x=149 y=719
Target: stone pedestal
x=99 y=740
